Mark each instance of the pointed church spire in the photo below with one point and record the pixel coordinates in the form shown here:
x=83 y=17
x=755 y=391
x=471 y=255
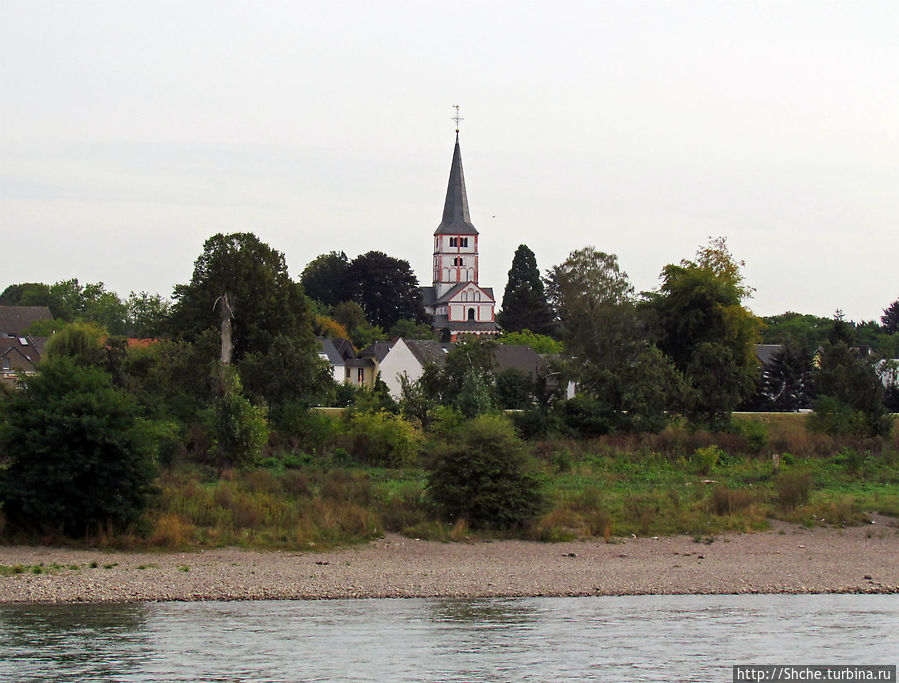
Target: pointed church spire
x=456 y=219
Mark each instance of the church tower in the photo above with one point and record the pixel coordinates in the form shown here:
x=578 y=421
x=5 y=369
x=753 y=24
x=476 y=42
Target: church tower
x=455 y=239
x=457 y=302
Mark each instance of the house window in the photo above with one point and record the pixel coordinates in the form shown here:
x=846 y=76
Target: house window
x=454 y=241
x=463 y=241
x=4 y=362
x=360 y=375
x=347 y=373
x=471 y=314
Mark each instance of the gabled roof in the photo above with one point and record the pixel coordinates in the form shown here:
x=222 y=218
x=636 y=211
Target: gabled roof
x=488 y=291
x=427 y=351
x=519 y=357
x=330 y=351
x=10 y=346
x=427 y=295
x=376 y=350
x=456 y=220
x=767 y=352
x=14 y=320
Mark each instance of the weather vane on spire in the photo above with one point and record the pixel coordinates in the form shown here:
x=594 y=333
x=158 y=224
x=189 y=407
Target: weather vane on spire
x=457 y=116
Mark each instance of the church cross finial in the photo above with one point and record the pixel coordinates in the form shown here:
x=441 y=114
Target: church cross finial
x=457 y=116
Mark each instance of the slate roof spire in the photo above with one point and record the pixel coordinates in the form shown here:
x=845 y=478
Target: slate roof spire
x=456 y=219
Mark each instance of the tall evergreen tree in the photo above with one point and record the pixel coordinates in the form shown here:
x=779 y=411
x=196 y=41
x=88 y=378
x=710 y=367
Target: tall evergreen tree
x=890 y=318
x=524 y=300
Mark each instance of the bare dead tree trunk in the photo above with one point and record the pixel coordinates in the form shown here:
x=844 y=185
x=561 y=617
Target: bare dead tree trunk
x=225 y=308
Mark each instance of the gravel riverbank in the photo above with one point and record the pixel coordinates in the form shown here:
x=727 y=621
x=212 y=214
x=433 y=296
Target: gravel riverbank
x=786 y=559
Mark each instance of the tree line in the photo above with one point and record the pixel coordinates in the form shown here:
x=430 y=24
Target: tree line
x=102 y=411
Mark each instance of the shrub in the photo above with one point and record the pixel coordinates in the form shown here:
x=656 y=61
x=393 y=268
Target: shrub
x=79 y=457
x=837 y=418
x=705 y=459
x=755 y=433
x=583 y=416
x=314 y=429
x=382 y=439
x=533 y=422
x=852 y=459
x=482 y=476
x=239 y=429
x=792 y=488
x=727 y=501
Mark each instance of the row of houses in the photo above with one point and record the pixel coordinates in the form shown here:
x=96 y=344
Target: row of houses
x=20 y=352
x=391 y=360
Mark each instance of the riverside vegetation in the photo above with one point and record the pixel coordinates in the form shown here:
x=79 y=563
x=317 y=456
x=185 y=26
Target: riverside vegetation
x=208 y=435
x=348 y=490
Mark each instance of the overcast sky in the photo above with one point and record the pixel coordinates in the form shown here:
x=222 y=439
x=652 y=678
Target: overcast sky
x=132 y=131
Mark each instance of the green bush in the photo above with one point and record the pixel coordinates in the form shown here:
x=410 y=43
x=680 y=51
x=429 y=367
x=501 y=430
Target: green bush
x=792 y=488
x=483 y=477
x=382 y=439
x=238 y=429
x=755 y=433
x=583 y=416
x=834 y=417
x=533 y=422
x=314 y=429
x=852 y=460
x=706 y=459
x=78 y=456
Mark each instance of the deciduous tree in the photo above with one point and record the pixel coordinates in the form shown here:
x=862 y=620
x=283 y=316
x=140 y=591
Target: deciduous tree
x=326 y=278
x=698 y=320
x=78 y=456
x=386 y=289
x=265 y=302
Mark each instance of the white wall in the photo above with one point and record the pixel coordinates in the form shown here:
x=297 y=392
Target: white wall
x=399 y=360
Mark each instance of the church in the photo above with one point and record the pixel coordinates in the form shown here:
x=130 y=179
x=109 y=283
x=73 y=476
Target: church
x=456 y=301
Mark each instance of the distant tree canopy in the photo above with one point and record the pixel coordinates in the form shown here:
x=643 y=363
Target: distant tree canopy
x=524 y=302
x=266 y=303
x=326 y=278
x=386 y=289
x=890 y=318
x=849 y=394
x=141 y=315
x=541 y=343
x=595 y=304
x=808 y=331
x=627 y=383
x=409 y=329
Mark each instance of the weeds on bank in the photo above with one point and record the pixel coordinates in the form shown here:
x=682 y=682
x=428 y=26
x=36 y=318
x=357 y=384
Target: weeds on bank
x=678 y=481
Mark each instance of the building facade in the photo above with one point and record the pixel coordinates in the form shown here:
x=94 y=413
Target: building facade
x=457 y=302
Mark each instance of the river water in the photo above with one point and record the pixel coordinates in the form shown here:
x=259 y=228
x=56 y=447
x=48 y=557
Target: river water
x=642 y=638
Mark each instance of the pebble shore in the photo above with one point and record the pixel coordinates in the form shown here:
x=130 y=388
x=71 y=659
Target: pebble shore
x=786 y=559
